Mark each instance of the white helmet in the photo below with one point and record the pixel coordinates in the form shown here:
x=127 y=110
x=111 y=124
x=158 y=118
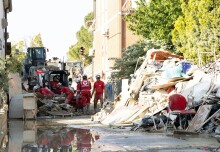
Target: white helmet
x=36 y=87
x=98 y=76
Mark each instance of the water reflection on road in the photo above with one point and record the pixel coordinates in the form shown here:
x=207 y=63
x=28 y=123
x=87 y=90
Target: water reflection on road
x=29 y=137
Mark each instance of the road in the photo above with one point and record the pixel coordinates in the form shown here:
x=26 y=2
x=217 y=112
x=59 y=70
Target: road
x=123 y=139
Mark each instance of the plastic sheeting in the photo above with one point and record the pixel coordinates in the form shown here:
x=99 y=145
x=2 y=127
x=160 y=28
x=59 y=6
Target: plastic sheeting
x=198 y=87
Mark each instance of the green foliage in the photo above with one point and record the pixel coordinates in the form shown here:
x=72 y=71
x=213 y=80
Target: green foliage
x=155 y=19
x=14 y=61
x=197 y=30
x=12 y=64
x=88 y=18
x=37 y=41
x=3 y=76
x=84 y=39
x=126 y=65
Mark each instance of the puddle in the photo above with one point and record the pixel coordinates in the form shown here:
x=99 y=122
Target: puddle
x=43 y=136
x=29 y=137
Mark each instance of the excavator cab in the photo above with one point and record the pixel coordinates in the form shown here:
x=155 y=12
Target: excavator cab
x=35 y=56
x=61 y=77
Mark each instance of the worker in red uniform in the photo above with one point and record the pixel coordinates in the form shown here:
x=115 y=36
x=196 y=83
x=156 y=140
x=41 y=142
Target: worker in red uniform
x=44 y=92
x=81 y=101
x=66 y=91
x=78 y=86
x=85 y=87
x=98 y=88
x=53 y=85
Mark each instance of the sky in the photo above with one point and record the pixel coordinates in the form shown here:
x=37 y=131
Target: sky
x=57 y=21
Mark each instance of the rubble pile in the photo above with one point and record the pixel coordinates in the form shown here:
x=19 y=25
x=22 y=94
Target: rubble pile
x=54 y=108
x=167 y=86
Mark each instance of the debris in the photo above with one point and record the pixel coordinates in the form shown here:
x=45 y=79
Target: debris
x=199 y=118
x=145 y=100
x=216 y=115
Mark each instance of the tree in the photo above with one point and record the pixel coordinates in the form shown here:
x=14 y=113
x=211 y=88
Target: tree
x=197 y=30
x=12 y=63
x=127 y=64
x=88 y=19
x=37 y=41
x=84 y=39
x=155 y=19
x=15 y=60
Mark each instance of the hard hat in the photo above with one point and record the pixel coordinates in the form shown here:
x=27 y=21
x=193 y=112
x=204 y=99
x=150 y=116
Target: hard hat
x=84 y=76
x=98 y=76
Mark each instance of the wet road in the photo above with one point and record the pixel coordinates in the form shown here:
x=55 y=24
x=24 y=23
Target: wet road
x=80 y=135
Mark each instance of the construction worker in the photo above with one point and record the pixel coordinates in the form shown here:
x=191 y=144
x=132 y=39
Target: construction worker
x=80 y=100
x=53 y=85
x=44 y=93
x=85 y=87
x=98 y=88
x=66 y=91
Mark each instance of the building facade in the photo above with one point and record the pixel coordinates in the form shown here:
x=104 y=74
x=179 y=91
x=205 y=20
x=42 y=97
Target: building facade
x=5 y=7
x=111 y=34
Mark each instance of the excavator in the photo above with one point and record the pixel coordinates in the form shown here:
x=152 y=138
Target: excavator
x=36 y=71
